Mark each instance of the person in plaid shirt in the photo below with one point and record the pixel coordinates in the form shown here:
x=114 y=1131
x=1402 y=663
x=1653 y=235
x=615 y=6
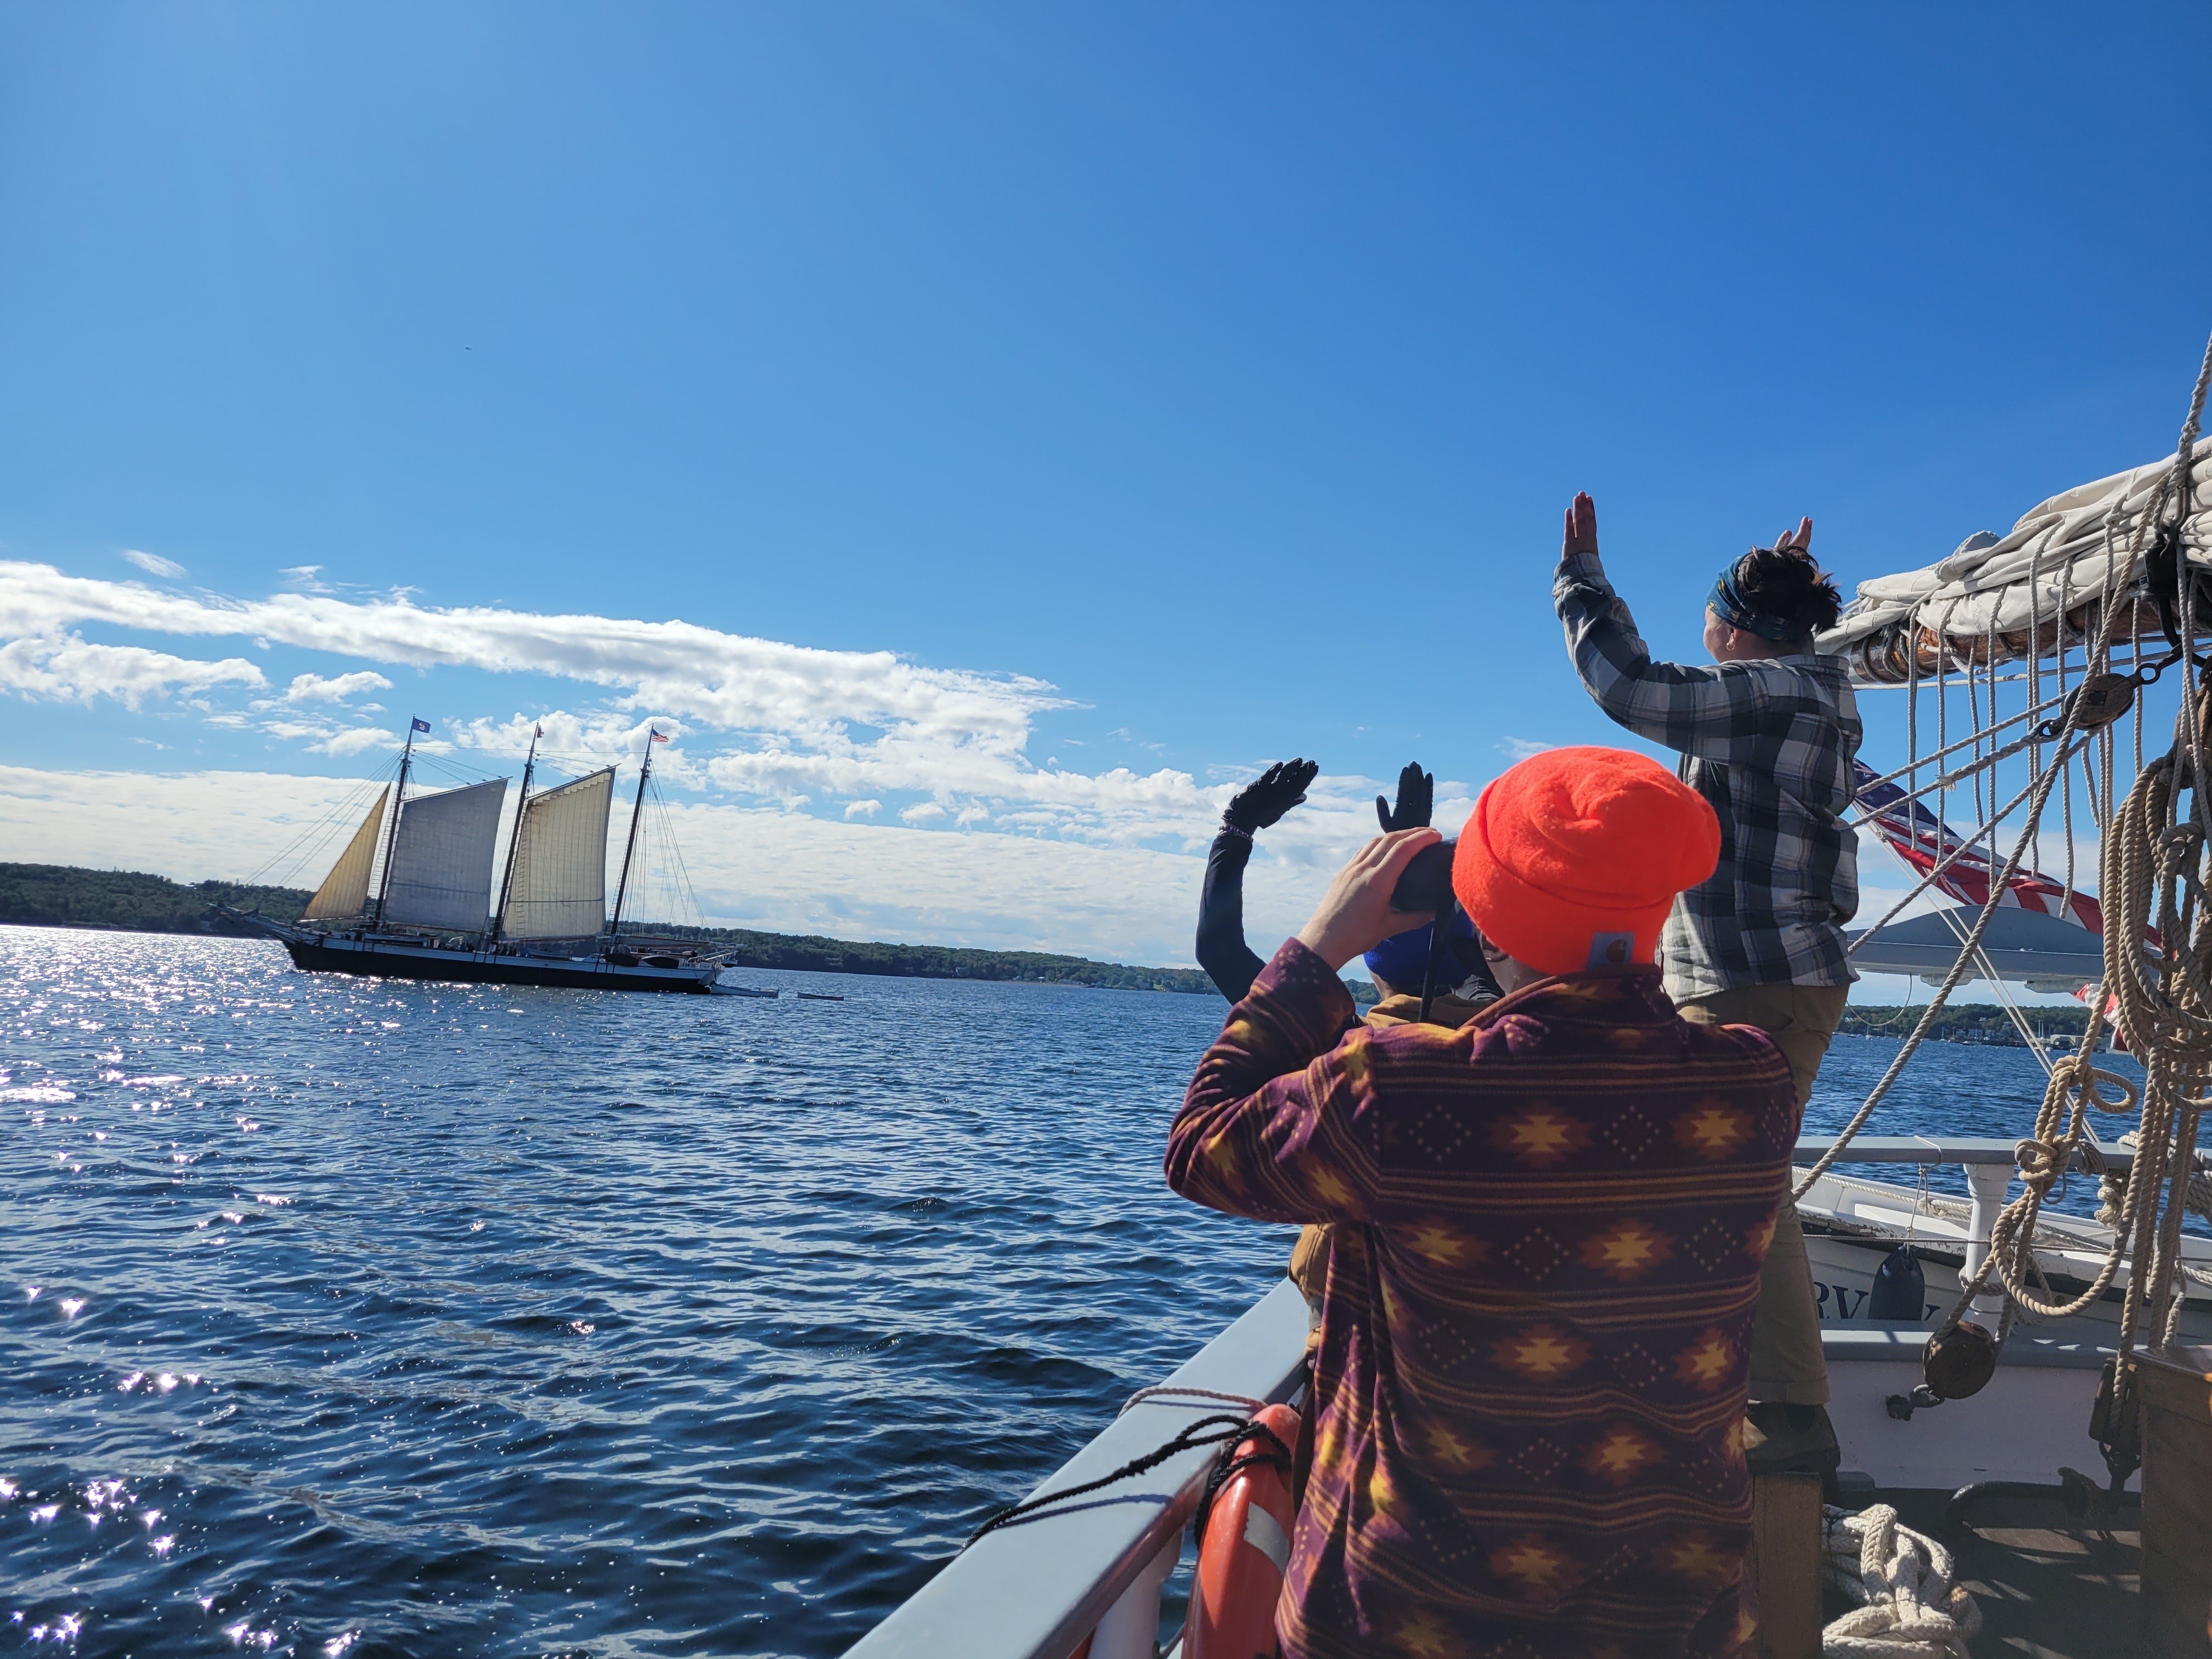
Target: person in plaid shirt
x=1768 y=734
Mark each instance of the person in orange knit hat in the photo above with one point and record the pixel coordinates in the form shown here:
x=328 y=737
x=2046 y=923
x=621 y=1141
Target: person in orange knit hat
x=1528 y=1392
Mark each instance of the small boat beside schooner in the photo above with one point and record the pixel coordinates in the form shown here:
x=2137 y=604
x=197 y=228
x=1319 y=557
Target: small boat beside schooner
x=410 y=896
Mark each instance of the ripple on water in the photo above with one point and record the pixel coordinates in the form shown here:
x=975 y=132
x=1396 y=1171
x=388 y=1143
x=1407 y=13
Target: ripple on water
x=382 y=1323
x=631 y=1325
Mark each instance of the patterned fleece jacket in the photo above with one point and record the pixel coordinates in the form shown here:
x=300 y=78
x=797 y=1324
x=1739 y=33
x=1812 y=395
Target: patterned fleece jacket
x=1529 y=1391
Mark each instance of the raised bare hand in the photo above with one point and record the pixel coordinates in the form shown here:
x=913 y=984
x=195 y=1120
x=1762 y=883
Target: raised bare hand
x=1581 y=529
x=1355 y=915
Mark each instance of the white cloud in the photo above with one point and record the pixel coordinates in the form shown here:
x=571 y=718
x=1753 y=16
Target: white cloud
x=799 y=723
x=809 y=730
x=64 y=667
x=354 y=740
x=154 y=563
x=1520 y=749
x=313 y=688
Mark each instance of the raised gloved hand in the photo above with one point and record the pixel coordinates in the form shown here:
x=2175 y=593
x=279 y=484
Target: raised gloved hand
x=1273 y=794
x=1417 y=801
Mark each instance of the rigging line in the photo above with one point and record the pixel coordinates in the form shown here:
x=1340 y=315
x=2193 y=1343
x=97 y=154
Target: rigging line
x=1950 y=779
x=1974 y=713
x=2003 y=993
x=1913 y=708
x=348 y=805
x=1911 y=1044
x=1988 y=826
x=2034 y=660
x=2029 y=712
x=1942 y=714
x=683 y=897
x=2066 y=781
x=1989 y=971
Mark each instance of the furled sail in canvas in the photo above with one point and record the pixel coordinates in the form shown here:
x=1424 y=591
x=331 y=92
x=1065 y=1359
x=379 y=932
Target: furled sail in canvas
x=560 y=886
x=345 y=889
x=2045 y=585
x=441 y=862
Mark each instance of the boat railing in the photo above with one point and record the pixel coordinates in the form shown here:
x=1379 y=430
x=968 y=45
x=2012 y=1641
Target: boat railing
x=1095 y=1568
x=1987 y=1165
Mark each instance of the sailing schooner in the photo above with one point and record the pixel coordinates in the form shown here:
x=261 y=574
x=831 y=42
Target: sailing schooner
x=411 y=897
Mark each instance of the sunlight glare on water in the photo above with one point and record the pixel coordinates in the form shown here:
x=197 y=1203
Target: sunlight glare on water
x=348 y=1316
x=351 y=1316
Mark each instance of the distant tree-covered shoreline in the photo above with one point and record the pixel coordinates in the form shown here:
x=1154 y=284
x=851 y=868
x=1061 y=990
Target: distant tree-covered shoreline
x=63 y=896
x=1973 y=1022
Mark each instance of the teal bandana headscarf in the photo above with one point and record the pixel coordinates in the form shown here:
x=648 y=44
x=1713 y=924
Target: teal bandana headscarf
x=1727 y=601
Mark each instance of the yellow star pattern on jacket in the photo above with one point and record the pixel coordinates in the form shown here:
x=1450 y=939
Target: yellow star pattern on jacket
x=1540 y=1571
x=1542 y=1351
x=1620 y=1455
x=1457 y=1453
x=1712 y=1129
x=1538 y=1137
x=1706 y=1364
x=1628 y=1250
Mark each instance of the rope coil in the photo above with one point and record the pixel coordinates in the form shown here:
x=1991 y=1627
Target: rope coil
x=1909 y=1605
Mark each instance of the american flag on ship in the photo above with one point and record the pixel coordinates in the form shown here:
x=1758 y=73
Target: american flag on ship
x=1913 y=834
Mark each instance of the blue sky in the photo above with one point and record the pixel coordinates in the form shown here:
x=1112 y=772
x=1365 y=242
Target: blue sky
x=1165 y=389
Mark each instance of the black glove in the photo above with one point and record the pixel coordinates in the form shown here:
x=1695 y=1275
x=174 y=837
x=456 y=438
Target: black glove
x=1277 y=790
x=1417 y=801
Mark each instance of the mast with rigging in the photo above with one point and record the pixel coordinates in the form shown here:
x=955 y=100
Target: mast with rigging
x=636 y=814
x=515 y=841
x=414 y=724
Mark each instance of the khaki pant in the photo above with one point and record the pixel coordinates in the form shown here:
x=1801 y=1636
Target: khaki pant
x=1786 y=1362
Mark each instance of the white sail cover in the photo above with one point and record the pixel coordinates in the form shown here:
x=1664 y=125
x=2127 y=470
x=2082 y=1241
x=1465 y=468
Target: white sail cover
x=441 y=863
x=560 y=886
x=2026 y=591
x=345 y=889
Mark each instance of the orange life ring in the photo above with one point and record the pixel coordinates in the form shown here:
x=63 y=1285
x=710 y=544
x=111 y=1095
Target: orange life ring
x=1246 y=1546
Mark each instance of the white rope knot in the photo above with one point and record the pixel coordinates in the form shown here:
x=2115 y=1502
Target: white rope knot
x=1909 y=1608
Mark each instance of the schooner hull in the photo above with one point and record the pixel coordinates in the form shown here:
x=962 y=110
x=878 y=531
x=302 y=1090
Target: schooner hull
x=372 y=960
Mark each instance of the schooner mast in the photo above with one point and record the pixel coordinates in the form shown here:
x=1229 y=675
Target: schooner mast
x=514 y=841
x=414 y=723
x=636 y=813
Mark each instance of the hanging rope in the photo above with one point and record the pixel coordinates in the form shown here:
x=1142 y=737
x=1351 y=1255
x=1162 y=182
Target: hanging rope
x=1909 y=1603
x=1206 y=1431
x=2157 y=929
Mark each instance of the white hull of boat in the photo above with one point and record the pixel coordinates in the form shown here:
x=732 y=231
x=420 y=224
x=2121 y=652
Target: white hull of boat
x=1872 y=1217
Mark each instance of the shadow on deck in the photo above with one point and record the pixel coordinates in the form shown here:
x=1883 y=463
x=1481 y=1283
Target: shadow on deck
x=2049 y=1586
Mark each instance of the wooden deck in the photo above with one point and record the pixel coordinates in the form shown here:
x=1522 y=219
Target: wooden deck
x=2049 y=1587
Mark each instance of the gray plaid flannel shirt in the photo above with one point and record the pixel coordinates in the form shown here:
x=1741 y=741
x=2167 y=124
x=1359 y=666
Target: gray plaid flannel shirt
x=1770 y=743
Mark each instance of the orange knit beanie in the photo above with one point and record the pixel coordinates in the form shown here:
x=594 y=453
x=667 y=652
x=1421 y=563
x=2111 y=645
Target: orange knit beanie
x=1572 y=858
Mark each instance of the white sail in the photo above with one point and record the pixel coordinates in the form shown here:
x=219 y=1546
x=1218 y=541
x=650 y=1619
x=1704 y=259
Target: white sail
x=441 y=862
x=560 y=886
x=345 y=889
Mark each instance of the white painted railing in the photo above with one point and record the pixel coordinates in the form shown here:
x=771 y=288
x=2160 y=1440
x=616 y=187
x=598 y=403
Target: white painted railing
x=1095 y=1567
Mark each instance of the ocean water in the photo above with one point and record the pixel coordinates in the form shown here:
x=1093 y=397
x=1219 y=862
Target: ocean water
x=341 y=1316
